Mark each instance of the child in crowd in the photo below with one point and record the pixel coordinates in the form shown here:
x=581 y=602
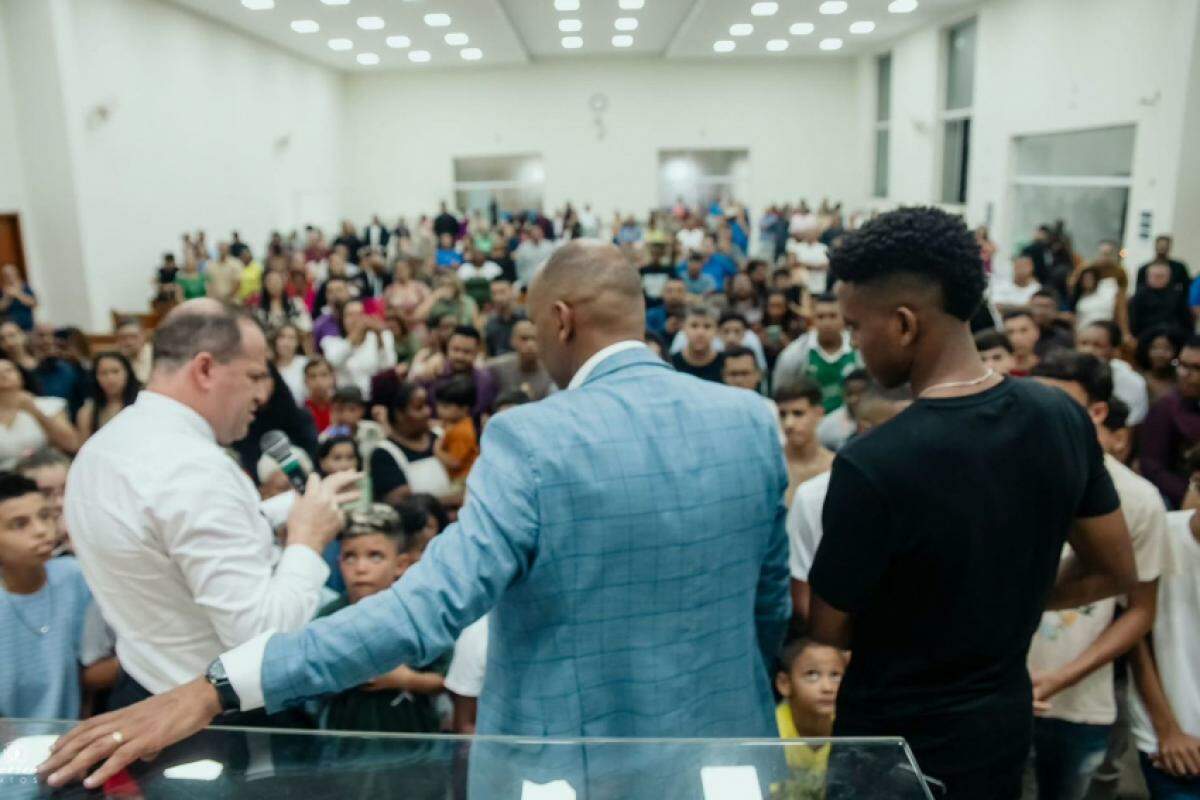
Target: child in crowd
x=459 y=446
x=1116 y=437
x=346 y=418
x=699 y=357
x=48 y=469
x=826 y=355
x=376 y=551
x=318 y=382
x=808 y=679
x=841 y=424
x=1023 y=336
x=338 y=454
x=996 y=351
x=43 y=604
x=800 y=412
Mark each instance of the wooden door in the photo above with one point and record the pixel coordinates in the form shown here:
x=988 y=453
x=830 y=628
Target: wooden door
x=11 y=251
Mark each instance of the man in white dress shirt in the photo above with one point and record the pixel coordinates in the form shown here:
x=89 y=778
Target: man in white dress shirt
x=168 y=528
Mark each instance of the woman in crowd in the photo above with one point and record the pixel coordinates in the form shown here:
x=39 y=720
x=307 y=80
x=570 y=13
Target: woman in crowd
x=743 y=299
x=17 y=300
x=1155 y=357
x=406 y=294
x=273 y=307
x=28 y=423
x=404 y=463
x=190 y=279
x=286 y=343
x=449 y=297
x=15 y=343
x=365 y=349
x=431 y=358
x=1095 y=298
x=780 y=325
x=113 y=387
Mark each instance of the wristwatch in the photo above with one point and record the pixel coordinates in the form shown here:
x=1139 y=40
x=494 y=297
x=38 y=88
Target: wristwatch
x=220 y=681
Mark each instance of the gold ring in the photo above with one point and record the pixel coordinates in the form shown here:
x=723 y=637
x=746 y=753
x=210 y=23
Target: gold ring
x=118 y=737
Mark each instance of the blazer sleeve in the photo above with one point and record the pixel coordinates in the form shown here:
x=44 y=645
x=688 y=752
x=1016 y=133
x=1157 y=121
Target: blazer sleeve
x=461 y=576
x=773 y=599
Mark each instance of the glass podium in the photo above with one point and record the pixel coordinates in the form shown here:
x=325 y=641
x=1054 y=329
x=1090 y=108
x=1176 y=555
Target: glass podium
x=226 y=762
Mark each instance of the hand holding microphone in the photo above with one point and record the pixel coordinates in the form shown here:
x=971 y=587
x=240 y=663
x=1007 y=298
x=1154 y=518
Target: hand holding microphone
x=316 y=517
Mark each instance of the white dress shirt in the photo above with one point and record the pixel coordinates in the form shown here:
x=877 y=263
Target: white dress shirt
x=174 y=546
x=586 y=369
x=355 y=365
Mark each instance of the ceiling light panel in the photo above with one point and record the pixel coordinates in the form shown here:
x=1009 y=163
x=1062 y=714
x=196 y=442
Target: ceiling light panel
x=801 y=28
x=437 y=20
x=367 y=59
x=764 y=9
x=862 y=26
x=399 y=42
x=777 y=45
x=741 y=29
x=622 y=40
x=572 y=42
x=305 y=26
x=471 y=53
x=626 y=24
x=566 y=5
x=631 y=5
x=336 y=2
x=419 y=56
x=724 y=46
x=832 y=43
x=570 y=25
x=259 y=5
x=457 y=39
x=370 y=23
x=902 y=6
x=833 y=7
x=340 y=44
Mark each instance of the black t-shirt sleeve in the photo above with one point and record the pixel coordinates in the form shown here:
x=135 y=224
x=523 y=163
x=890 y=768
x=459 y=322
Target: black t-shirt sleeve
x=855 y=546
x=386 y=474
x=1099 y=494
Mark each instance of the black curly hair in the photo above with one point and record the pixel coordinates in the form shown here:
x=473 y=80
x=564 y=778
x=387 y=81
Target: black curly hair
x=921 y=242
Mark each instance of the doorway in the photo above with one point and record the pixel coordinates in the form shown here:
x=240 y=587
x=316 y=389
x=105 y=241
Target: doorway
x=11 y=250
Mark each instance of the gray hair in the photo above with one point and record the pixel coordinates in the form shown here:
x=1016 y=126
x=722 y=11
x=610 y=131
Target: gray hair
x=40 y=460
x=201 y=326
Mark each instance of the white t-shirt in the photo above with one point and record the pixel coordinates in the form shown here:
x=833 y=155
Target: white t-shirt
x=293 y=376
x=1099 y=306
x=1007 y=293
x=811 y=254
x=469 y=664
x=836 y=428
x=803 y=524
x=690 y=238
x=1064 y=635
x=25 y=436
x=1176 y=645
x=1130 y=387
x=489 y=270
x=802 y=223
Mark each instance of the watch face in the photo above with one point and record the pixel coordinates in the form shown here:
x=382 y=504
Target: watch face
x=216 y=671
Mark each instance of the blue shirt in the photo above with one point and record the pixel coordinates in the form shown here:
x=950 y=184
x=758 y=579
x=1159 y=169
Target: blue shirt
x=720 y=268
x=20 y=313
x=39 y=673
x=1194 y=294
x=704 y=284
x=449 y=258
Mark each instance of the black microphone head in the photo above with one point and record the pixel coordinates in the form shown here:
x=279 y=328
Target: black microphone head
x=276 y=445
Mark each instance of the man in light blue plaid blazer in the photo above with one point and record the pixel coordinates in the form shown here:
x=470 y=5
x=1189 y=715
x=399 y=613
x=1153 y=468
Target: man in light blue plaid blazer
x=626 y=535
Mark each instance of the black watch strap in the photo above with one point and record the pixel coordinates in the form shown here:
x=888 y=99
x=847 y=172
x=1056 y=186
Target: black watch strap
x=216 y=676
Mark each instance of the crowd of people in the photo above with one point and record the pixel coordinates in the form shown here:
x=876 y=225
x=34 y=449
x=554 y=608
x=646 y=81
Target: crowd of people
x=391 y=348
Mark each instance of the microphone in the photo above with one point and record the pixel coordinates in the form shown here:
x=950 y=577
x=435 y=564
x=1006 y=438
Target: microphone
x=276 y=446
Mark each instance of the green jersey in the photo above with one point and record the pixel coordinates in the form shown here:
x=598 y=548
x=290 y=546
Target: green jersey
x=830 y=371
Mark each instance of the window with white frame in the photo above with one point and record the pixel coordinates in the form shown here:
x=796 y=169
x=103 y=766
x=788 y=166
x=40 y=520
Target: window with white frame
x=956 y=111
x=510 y=183
x=883 y=122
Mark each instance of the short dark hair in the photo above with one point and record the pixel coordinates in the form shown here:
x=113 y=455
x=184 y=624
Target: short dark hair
x=1118 y=414
x=1018 y=312
x=433 y=507
x=184 y=334
x=14 y=485
x=825 y=297
x=1092 y=374
x=435 y=318
x=695 y=255
x=468 y=331
x=858 y=374
x=512 y=397
x=793 y=650
x=325 y=447
x=992 y=339
x=732 y=316
x=799 y=388
x=379 y=519
x=1047 y=293
x=923 y=242
x=313 y=363
x=738 y=351
x=348 y=396
x=458 y=391
x=1115 y=337
x=1141 y=356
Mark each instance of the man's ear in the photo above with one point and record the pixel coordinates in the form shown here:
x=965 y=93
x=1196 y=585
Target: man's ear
x=201 y=369
x=564 y=316
x=908 y=324
x=1098 y=412
x=783 y=684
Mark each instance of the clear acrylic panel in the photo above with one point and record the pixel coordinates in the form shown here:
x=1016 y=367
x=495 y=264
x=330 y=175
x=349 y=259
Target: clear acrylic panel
x=1092 y=213
x=258 y=763
x=960 y=67
x=956 y=145
x=1099 y=152
x=883 y=88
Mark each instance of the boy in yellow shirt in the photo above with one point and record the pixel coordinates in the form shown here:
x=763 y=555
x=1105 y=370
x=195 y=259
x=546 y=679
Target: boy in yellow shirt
x=808 y=679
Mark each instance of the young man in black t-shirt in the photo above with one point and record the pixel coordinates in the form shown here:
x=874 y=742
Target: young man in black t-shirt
x=699 y=356
x=943 y=529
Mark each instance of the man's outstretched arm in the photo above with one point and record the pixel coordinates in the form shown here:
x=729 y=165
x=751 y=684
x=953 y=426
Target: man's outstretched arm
x=460 y=578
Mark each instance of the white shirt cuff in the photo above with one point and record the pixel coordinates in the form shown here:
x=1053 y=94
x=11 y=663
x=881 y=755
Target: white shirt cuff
x=243 y=666
x=276 y=509
x=303 y=562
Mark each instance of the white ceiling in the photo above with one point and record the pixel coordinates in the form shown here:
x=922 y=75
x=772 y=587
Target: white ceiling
x=519 y=31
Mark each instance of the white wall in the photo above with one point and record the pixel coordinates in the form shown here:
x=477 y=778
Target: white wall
x=798 y=120
x=1044 y=67
x=12 y=182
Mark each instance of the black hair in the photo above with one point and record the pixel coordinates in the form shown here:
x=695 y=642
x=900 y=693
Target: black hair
x=128 y=395
x=799 y=388
x=432 y=506
x=512 y=397
x=413 y=519
x=737 y=351
x=651 y=336
x=992 y=339
x=1092 y=374
x=313 y=363
x=695 y=255
x=458 y=391
x=14 y=485
x=732 y=316
x=1118 y=415
x=325 y=447
x=469 y=331
x=858 y=374
x=1049 y=294
x=29 y=381
x=921 y=242
x=1018 y=312
x=825 y=297
x=1141 y=356
x=1115 y=337
x=435 y=318
x=402 y=398
x=793 y=650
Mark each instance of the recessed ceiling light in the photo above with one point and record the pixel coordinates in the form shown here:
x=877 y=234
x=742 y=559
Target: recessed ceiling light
x=622 y=40
x=457 y=39
x=340 y=44
x=631 y=5
x=902 y=6
x=862 y=26
x=437 y=20
x=801 y=28
x=471 y=53
x=777 y=45
x=370 y=23
x=399 y=42
x=572 y=42
x=566 y=5
x=833 y=43
x=626 y=24
x=570 y=25
x=305 y=26
x=763 y=9
x=741 y=29
x=419 y=56
x=259 y=5
x=367 y=59
x=336 y=2
x=833 y=7
x=724 y=46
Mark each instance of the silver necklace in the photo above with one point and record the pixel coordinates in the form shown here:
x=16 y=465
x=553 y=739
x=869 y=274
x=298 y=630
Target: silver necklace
x=959 y=384
x=41 y=630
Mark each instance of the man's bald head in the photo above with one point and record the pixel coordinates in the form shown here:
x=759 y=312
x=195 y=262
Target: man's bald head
x=586 y=297
x=202 y=325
